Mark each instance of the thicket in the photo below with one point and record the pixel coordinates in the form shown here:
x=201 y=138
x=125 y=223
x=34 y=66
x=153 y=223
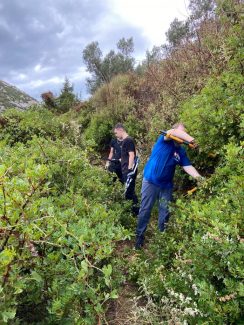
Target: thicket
x=62 y=219
x=60 y=222
x=193 y=273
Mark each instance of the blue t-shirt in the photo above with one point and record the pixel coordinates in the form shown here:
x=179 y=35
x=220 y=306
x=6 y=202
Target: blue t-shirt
x=160 y=167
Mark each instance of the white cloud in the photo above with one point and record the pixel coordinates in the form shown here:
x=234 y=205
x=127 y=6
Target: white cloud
x=40 y=69
x=22 y=76
x=153 y=17
x=33 y=84
x=46 y=39
x=16 y=76
x=80 y=74
x=37 y=68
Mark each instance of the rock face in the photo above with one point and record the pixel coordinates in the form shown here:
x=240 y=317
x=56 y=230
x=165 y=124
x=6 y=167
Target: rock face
x=12 y=97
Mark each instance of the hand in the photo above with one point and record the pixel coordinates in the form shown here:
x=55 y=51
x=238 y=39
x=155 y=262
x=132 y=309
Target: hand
x=194 y=144
x=200 y=181
x=107 y=164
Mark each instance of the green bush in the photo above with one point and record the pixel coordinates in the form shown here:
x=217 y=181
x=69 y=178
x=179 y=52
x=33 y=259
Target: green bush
x=99 y=131
x=113 y=105
x=214 y=116
x=21 y=126
x=59 y=228
x=194 y=270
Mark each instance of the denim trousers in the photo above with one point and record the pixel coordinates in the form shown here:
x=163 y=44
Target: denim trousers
x=151 y=193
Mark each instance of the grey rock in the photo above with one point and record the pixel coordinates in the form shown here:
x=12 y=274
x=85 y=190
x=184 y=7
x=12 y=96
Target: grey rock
x=12 y=97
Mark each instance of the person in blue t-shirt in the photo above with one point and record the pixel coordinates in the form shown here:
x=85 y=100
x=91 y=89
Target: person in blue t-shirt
x=158 y=179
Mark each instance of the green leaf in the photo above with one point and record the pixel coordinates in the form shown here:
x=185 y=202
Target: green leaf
x=36 y=276
x=8 y=314
x=107 y=270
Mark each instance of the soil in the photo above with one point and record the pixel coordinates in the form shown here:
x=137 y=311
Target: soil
x=120 y=311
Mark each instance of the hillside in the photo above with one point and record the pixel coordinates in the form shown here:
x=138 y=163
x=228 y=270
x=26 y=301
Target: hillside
x=66 y=232
x=12 y=97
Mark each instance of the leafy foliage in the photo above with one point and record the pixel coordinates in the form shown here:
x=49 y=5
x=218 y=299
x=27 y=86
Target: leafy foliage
x=215 y=115
x=196 y=271
x=67 y=98
x=58 y=233
x=21 y=126
x=103 y=69
x=177 y=31
x=61 y=219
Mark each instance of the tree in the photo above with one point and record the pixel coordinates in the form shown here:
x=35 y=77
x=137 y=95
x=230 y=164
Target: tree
x=103 y=69
x=157 y=54
x=176 y=32
x=202 y=9
x=126 y=46
x=49 y=100
x=67 y=97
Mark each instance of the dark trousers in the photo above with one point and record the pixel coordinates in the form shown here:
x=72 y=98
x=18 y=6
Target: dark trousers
x=130 y=193
x=115 y=167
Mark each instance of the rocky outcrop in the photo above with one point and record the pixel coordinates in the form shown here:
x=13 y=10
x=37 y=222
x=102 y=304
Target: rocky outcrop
x=12 y=97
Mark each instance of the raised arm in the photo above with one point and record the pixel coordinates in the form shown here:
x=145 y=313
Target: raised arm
x=180 y=134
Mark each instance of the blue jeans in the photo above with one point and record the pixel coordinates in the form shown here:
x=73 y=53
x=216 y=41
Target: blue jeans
x=149 y=194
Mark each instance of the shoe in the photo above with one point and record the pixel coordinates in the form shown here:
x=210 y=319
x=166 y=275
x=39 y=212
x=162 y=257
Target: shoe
x=138 y=247
x=139 y=243
x=135 y=211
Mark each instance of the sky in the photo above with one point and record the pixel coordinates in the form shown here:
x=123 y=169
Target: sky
x=41 y=42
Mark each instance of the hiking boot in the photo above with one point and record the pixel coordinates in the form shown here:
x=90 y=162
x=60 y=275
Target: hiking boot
x=139 y=243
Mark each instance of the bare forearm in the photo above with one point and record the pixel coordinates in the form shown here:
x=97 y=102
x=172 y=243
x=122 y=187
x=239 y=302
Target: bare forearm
x=191 y=171
x=110 y=156
x=131 y=160
x=180 y=134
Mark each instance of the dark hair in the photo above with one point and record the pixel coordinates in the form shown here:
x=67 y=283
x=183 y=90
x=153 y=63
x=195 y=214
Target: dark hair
x=119 y=126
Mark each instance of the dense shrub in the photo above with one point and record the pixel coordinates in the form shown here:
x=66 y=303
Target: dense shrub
x=215 y=115
x=59 y=226
x=99 y=131
x=21 y=126
x=194 y=271
x=61 y=219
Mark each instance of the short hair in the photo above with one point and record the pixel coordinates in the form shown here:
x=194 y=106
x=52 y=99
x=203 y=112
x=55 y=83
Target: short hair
x=119 y=126
x=176 y=125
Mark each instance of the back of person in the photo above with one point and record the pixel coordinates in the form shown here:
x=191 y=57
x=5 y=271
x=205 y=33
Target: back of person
x=157 y=184
x=160 y=167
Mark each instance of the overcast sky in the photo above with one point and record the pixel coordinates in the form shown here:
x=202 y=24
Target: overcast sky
x=41 y=42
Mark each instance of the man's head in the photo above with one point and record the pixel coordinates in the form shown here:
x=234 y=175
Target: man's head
x=179 y=126
x=119 y=131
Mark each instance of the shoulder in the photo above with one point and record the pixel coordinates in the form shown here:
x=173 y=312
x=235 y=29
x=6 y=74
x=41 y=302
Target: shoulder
x=162 y=141
x=128 y=144
x=129 y=140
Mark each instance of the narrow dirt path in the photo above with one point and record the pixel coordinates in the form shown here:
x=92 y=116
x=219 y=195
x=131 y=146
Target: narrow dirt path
x=121 y=310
